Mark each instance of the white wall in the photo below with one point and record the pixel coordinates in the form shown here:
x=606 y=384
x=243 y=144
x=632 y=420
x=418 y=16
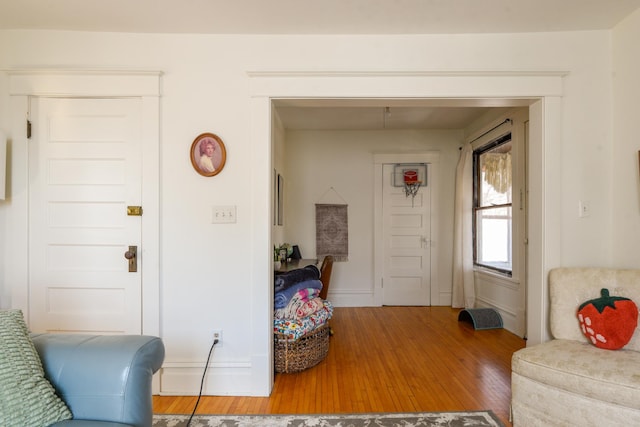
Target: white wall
x=209 y=277
x=625 y=184
x=318 y=161
x=5 y=289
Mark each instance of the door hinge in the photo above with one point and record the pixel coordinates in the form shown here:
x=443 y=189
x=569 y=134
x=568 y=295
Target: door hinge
x=28 y=129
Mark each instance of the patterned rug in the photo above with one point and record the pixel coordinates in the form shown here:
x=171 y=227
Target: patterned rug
x=413 y=419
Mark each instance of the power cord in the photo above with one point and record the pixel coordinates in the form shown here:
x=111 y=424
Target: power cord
x=202 y=382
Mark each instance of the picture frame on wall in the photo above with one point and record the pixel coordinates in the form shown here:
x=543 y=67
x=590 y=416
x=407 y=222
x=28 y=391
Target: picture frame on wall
x=280 y=200
x=274 y=196
x=208 y=154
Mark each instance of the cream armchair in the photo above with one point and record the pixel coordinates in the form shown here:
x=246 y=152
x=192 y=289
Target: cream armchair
x=567 y=381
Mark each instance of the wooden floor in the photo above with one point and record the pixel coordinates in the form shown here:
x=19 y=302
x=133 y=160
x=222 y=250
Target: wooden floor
x=387 y=359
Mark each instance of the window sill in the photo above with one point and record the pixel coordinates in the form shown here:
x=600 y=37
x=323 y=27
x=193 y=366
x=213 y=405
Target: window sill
x=491 y=272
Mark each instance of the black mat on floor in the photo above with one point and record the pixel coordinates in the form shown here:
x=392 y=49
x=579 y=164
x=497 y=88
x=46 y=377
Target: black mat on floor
x=482 y=318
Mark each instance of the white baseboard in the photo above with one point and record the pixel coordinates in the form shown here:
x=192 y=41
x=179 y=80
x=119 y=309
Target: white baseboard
x=223 y=379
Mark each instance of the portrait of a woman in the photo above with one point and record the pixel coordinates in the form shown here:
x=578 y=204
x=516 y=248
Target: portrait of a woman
x=208 y=154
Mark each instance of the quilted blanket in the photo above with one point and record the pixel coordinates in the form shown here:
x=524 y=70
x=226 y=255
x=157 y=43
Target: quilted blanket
x=282 y=298
x=296 y=328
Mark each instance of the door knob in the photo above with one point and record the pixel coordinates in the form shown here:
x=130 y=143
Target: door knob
x=132 y=256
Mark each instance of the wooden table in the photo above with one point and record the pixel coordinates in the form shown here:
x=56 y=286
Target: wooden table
x=295 y=263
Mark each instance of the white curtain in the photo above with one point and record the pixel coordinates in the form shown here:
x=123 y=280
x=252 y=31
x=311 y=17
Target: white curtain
x=464 y=294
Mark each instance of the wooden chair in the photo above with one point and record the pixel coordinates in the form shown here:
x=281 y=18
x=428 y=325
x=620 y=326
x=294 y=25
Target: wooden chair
x=325 y=275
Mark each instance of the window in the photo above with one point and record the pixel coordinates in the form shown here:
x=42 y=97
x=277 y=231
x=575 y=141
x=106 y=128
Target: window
x=493 y=225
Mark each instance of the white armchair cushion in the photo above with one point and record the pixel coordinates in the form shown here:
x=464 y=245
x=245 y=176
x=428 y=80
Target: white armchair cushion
x=580 y=368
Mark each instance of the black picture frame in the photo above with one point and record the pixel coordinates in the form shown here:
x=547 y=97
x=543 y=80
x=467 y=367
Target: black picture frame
x=280 y=200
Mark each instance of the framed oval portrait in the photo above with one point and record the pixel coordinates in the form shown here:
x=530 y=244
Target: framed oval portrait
x=208 y=154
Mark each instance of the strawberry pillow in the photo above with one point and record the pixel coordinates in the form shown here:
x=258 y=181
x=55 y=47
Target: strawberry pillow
x=609 y=321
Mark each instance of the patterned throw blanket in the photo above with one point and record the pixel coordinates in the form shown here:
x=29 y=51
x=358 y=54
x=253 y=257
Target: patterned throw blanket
x=281 y=299
x=296 y=307
x=296 y=328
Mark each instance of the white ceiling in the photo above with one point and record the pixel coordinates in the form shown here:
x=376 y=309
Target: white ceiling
x=377 y=114
x=328 y=17
x=315 y=17
x=369 y=118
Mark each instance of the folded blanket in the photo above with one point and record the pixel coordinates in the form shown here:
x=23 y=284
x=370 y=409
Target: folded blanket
x=297 y=301
x=296 y=328
x=309 y=307
x=282 y=298
x=290 y=278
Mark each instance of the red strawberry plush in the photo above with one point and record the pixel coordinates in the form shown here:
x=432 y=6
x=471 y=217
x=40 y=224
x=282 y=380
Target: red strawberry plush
x=609 y=322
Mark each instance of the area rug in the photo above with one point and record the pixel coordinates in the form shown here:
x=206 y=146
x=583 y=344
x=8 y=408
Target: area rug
x=412 y=419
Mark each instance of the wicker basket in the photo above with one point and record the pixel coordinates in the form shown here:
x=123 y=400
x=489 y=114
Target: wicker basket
x=302 y=353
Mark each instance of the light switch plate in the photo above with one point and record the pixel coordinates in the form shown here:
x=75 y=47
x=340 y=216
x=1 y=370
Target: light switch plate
x=224 y=215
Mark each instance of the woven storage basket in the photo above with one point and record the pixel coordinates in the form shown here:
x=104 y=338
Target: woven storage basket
x=307 y=351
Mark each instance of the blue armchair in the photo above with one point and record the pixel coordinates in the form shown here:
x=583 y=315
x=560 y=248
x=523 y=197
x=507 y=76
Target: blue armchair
x=105 y=380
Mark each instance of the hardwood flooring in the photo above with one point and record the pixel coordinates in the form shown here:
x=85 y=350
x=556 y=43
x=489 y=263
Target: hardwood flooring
x=387 y=359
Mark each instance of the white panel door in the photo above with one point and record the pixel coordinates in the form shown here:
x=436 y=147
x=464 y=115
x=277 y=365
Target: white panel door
x=406 y=226
x=84 y=170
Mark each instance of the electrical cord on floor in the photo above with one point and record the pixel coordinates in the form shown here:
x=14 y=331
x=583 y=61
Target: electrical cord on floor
x=202 y=382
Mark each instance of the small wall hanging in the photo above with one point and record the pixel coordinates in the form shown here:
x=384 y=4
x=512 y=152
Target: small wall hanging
x=332 y=226
x=332 y=232
x=208 y=154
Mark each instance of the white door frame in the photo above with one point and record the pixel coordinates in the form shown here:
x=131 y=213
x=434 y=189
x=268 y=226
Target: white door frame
x=432 y=158
x=24 y=84
x=545 y=113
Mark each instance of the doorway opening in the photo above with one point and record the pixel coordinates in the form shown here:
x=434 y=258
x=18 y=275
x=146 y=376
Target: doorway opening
x=540 y=92
x=327 y=145
x=315 y=144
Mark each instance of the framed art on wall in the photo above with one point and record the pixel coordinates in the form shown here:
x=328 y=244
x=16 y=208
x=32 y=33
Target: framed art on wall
x=208 y=154
x=280 y=200
x=274 y=199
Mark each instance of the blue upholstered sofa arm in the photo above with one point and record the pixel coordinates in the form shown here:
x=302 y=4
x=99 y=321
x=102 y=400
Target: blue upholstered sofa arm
x=102 y=377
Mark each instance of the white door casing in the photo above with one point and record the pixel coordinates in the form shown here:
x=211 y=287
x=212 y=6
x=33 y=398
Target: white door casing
x=141 y=85
x=84 y=170
x=543 y=87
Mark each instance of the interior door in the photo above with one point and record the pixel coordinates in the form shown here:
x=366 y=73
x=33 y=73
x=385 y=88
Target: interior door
x=406 y=229
x=84 y=171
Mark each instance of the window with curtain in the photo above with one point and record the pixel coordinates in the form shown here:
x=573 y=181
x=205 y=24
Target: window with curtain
x=492 y=225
